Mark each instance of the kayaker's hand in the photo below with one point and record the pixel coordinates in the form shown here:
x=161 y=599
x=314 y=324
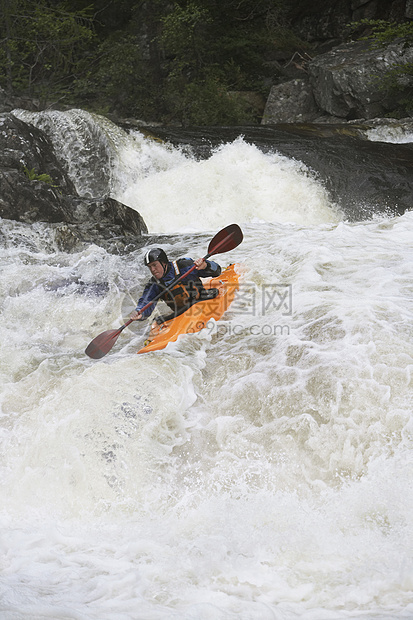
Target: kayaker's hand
x=135 y=316
x=200 y=263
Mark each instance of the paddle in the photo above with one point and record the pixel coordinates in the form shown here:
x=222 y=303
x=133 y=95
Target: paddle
x=225 y=240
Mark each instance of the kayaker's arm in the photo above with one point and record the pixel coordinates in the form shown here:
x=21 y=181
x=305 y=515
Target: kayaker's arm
x=207 y=268
x=150 y=291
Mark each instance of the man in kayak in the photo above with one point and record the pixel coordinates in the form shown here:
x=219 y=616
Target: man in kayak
x=181 y=296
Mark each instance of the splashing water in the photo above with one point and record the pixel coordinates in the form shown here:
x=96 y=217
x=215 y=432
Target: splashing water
x=260 y=469
x=237 y=183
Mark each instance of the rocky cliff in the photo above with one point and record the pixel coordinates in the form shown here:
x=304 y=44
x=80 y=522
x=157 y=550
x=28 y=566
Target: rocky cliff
x=34 y=187
x=340 y=85
x=338 y=80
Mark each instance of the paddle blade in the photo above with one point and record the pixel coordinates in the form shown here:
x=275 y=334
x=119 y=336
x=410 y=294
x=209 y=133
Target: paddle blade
x=102 y=344
x=225 y=240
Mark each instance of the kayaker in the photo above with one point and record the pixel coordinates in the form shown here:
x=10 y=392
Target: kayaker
x=181 y=296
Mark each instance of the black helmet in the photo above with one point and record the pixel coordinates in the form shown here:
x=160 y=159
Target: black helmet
x=155 y=254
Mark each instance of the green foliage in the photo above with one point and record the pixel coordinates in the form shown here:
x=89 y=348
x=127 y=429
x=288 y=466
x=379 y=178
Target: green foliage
x=205 y=102
x=382 y=32
x=157 y=60
x=211 y=49
x=33 y=176
x=183 y=32
x=116 y=77
x=42 y=43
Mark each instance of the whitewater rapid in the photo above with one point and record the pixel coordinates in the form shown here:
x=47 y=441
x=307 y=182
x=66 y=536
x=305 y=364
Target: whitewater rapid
x=238 y=182
x=259 y=470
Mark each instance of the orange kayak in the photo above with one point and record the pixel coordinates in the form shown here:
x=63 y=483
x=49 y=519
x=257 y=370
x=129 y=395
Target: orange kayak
x=198 y=315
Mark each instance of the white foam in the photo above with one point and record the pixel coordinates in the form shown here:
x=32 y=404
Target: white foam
x=237 y=183
x=261 y=469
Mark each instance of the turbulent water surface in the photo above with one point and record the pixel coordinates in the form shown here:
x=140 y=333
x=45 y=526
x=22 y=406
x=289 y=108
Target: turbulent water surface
x=259 y=470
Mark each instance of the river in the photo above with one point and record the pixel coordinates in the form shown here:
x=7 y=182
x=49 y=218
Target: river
x=259 y=470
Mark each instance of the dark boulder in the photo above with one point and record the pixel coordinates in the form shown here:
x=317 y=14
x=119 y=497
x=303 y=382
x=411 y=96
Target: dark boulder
x=30 y=201
x=25 y=149
x=346 y=82
x=291 y=102
x=34 y=187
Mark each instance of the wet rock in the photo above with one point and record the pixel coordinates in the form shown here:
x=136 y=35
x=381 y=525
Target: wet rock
x=346 y=81
x=35 y=187
x=291 y=102
x=114 y=239
x=24 y=147
x=30 y=201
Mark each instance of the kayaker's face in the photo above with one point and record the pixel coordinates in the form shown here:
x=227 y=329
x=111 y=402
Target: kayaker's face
x=156 y=268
